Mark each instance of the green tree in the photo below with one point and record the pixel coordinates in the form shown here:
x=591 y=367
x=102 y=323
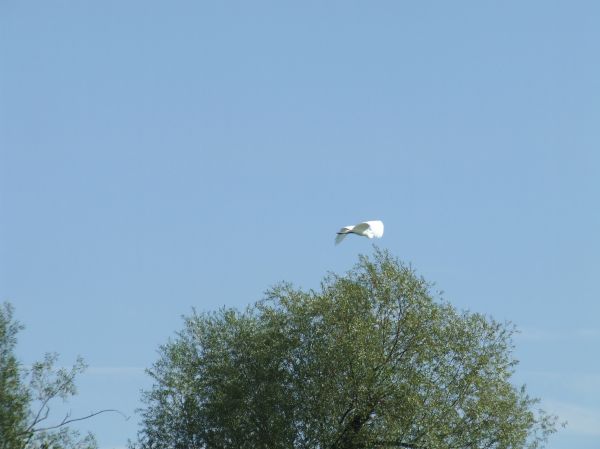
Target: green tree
x=372 y=360
x=14 y=397
x=26 y=395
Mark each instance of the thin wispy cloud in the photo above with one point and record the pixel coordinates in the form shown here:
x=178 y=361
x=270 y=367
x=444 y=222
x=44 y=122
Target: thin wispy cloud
x=588 y=333
x=555 y=335
x=580 y=420
x=116 y=370
x=583 y=384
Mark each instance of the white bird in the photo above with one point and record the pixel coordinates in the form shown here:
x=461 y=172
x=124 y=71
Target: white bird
x=367 y=229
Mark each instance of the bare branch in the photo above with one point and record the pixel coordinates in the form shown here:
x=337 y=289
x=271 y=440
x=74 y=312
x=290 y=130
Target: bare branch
x=38 y=417
x=66 y=421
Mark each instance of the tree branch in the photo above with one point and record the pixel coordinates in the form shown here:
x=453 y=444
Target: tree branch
x=398 y=444
x=66 y=421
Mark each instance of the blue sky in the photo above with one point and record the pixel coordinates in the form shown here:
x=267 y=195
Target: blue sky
x=159 y=156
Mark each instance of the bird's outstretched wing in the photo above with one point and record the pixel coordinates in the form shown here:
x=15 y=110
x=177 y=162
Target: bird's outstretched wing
x=342 y=233
x=340 y=237
x=361 y=228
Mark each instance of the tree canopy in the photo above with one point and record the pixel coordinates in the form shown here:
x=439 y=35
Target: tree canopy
x=26 y=395
x=374 y=359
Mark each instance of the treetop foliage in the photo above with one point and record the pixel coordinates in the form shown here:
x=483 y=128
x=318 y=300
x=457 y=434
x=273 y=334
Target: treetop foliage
x=371 y=360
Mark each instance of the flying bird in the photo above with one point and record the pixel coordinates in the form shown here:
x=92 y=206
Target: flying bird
x=367 y=229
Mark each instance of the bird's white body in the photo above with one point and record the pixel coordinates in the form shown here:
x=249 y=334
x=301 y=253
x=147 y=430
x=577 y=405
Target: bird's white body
x=369 y=229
